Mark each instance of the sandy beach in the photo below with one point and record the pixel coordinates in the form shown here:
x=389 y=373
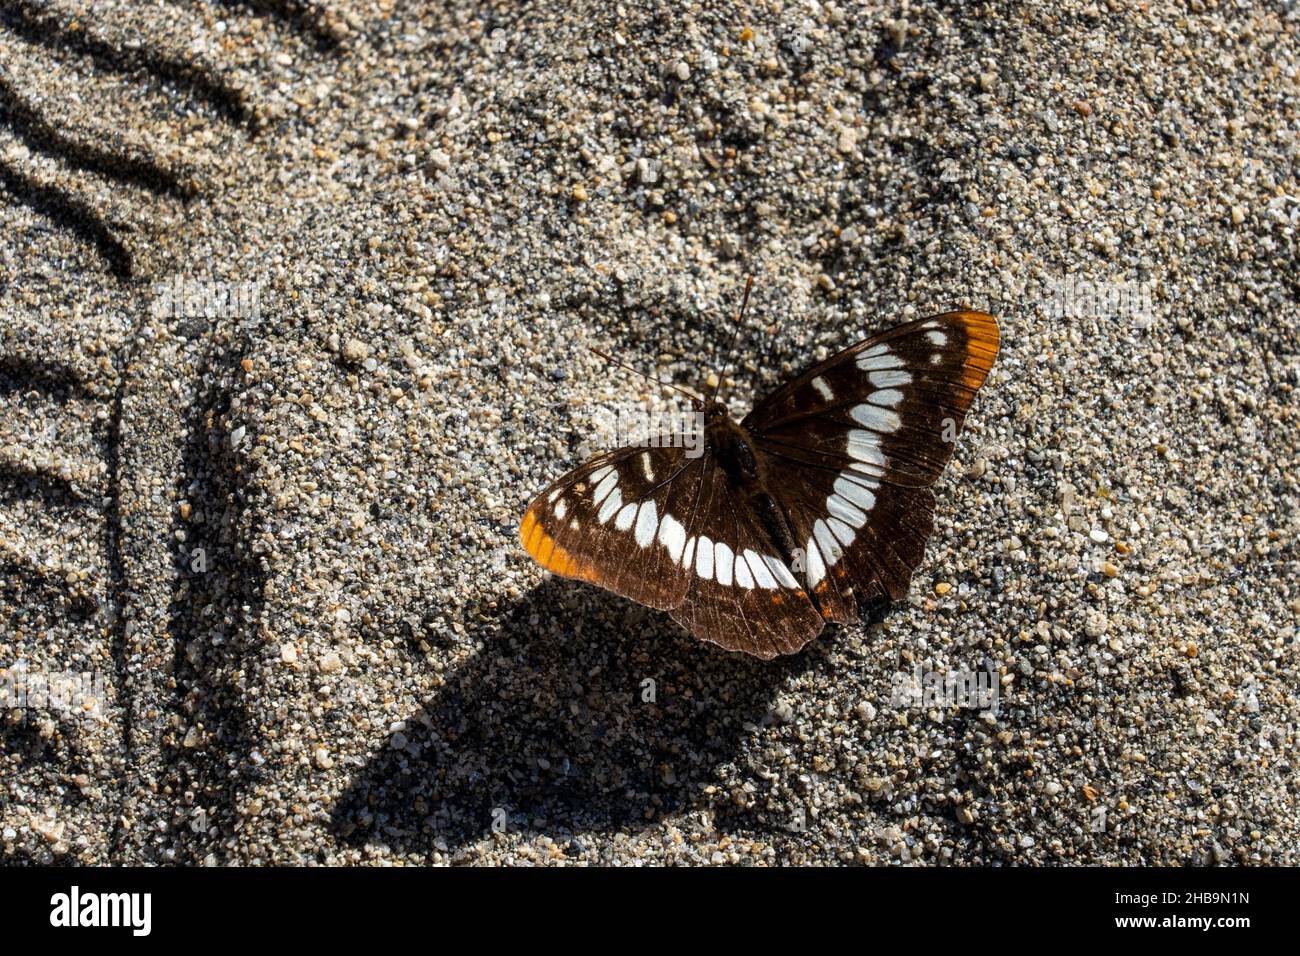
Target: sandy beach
x=297 y=304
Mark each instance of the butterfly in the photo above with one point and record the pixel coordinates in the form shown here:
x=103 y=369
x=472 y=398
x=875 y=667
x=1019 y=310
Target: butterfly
x=814 y=506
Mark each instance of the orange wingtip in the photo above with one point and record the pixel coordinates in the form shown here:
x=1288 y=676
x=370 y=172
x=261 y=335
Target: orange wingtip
x=543 y=549
x=982 y=341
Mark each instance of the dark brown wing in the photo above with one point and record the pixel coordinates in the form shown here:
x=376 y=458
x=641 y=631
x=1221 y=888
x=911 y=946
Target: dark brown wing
x=670 y=532
x=742 y=594
x=620 y=521
x=851 y=447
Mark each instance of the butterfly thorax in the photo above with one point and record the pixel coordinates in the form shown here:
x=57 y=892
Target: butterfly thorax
x=733 y=447
x=731 y=444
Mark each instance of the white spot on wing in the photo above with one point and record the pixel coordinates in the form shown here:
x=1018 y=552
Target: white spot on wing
x=890 y=378
x=672 y=536
x=723 y=561
x=704 y=558
x=850 y=489
x=780 y=571
x=874 y=417
x=625 y=517
x=823 y=389
x=886 y=399
x=878 y=361
x=843 y=533
x=826 y=543
x=744 y=578
x=607 y=484
x=937 y=338
x=762 y=576
x=816 y=567
x=647 y=523
x=646 y=467
x=688 y=555
x=612 y=504
x=865 y=446
x=560 y=509
x=845 y=510
x=599 y=474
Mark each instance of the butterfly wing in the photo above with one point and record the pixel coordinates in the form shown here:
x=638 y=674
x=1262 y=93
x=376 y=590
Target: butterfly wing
x=620 y=521
x=851 y=447
x=742 y=594
x=670 y=532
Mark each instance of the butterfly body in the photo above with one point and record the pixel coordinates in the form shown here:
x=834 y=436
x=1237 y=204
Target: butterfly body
x=813 y=505
x=731 y=444
x=747 y=471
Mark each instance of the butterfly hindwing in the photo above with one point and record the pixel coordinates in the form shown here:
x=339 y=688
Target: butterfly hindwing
x=743 y=595
x=852 y=446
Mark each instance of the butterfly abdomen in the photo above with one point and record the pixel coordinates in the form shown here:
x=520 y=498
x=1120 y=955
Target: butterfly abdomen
x=775 y=522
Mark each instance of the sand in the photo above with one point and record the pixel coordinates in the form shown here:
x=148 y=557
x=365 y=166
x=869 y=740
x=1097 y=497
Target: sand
x=281 y=546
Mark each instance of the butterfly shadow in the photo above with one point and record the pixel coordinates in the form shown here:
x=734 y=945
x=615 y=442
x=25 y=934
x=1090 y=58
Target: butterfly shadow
x=581 y=714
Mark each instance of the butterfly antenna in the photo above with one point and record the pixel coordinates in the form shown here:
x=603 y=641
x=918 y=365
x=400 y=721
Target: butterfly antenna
x=769 y=354
x=609 y=358
x=740 y=318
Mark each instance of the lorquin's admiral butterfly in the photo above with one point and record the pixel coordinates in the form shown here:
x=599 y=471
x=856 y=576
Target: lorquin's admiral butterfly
x=817 y=502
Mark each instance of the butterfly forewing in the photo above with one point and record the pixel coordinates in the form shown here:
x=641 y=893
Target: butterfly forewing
x=851 y=447
x=620 y=522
